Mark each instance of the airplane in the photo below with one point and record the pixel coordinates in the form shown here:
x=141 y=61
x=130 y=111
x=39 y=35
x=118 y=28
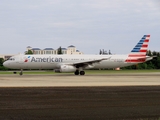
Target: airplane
x=78 y=63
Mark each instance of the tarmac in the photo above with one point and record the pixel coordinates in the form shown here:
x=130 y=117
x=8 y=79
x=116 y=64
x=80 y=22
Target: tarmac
x=70 y=80
x=69 y=97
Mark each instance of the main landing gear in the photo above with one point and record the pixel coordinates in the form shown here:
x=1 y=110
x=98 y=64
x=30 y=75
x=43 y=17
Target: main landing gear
x=77 y=72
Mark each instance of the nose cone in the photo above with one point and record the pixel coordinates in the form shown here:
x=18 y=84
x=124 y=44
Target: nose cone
x=5 y=64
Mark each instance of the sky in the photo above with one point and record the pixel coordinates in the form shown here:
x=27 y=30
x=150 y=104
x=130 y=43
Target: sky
x=90 y=25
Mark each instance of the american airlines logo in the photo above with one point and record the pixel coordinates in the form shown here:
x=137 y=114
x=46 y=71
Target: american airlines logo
x=48 y=59
x=27 y=59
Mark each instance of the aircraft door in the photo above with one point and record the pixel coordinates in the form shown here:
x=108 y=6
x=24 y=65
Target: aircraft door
x=20 y=59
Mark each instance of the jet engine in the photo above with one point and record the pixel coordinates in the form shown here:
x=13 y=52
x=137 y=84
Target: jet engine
x=66 y=68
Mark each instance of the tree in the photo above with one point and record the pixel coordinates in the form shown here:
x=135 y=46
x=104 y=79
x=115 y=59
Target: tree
x=149 y=53
x=158 y=63
x=142 y=66
x=59 y=51
x=110 y=52
x=154 y=53
x=100 y=52
x=29 y=52
x=103 y=52
x=1 y=61
x=1 y=64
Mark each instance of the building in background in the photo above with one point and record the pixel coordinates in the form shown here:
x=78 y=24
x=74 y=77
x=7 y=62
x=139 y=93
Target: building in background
x=69 y=51
x=6 y=57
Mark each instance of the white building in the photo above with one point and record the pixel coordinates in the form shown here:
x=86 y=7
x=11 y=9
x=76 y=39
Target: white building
x=70 y=50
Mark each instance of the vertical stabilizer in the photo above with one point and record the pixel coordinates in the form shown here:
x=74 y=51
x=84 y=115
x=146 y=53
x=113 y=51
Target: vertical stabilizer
x=138 y=54
x=140 y=49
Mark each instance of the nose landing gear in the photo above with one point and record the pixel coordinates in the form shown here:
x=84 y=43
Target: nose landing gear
x=21 y=72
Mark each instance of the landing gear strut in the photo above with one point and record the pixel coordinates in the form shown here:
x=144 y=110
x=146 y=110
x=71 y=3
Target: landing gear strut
x=21 y=73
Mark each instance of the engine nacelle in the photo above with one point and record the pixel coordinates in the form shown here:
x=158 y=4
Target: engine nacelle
x=66 y=68
x=90 y=66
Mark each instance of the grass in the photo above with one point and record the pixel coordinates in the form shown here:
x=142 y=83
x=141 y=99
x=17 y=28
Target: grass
x=87 y=72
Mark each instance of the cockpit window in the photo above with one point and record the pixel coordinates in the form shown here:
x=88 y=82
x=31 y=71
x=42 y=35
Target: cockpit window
x=11 y=59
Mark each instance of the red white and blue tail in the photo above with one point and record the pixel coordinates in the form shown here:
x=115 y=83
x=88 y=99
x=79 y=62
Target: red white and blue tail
x=138 y=54
x=140 y=49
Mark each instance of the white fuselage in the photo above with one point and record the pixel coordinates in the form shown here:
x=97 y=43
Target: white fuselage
x=55 y=61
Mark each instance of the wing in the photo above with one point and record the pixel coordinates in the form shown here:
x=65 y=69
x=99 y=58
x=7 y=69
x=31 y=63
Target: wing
x=86 y=63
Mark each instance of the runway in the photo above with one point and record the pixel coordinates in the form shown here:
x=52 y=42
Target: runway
x=69 y=80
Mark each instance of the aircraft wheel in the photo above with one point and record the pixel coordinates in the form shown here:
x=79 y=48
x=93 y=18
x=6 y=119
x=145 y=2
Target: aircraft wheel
x=82 y=73
x=14 y=72
x=76 y=72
